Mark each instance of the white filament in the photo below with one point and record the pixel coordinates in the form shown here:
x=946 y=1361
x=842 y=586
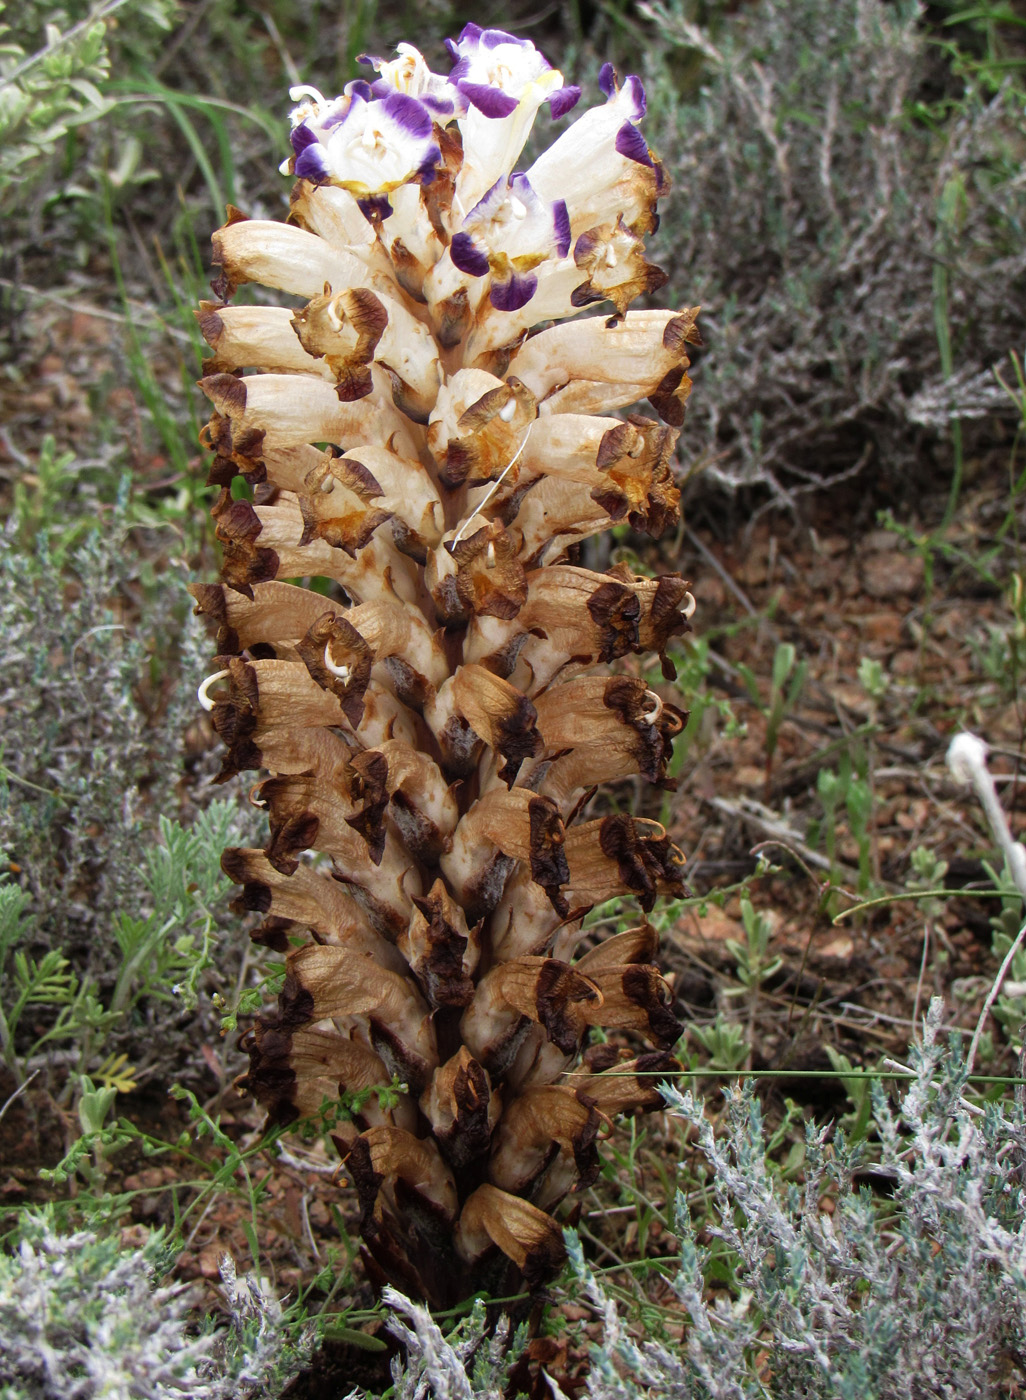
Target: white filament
x=651 y=715
x=201 y=693
x=495 y=485
x=343 y=672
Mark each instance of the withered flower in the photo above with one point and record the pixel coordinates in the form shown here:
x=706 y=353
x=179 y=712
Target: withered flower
x=434 y=430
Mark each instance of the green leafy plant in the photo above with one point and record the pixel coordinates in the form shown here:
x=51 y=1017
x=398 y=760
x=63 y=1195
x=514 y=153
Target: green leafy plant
x=38 y=498
x=848 y=793
x=47 y=983
x=787 y=681
x=44 y=94
x=166 y=954
x=724 y=1042
x=859 y=1088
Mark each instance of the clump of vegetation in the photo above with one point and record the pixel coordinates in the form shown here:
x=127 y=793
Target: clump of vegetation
x=81 y=1318
x=854 y=235
x=895 y=1271
x=110 y=909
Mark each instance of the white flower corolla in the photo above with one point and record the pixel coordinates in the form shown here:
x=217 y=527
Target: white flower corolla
x=601 y=165
x=313 y=118
x=311 y=103
x=369 y=147
x=504 y=81
x=410 y=74
x=410 y=224
x=495 y=71
x=507 y=234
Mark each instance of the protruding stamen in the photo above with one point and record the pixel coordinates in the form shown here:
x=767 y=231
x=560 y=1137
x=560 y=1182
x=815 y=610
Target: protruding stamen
x=201 y=693
x=256 y=801
x=302 y=90
x=508 y=411
x=651 y=715
x=343 y=672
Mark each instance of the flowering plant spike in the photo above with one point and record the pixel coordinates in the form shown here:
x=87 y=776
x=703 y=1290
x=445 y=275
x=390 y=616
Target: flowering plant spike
x=434 y=429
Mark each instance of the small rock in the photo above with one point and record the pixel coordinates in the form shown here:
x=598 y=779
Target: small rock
x=711 y=592
x=748 y=776
x=134 y=1236
x=832 y=544
x=840 y=947
x=210 y=1257
x=715 y=926
x=877 y=541
x=892 y=574
x=147 y=1180
x=883 y=627
x=906 y=663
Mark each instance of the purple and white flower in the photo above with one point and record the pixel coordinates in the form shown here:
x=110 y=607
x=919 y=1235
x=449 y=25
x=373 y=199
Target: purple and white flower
x=504 y=81
x=507 y=235
x=495 y=71
x=367 y=145
x=410 y=74
x=601 y=165
x=312 y=120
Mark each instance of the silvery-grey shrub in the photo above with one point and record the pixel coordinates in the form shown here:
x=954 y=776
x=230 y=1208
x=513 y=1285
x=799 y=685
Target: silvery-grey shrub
x=86 y=763
x=910 y=1292
x=81 y=1318
x=859 y=259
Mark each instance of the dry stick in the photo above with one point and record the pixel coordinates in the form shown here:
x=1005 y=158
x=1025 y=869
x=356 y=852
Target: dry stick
x=717 y=567
x=771 y=825
x=967 y=759
x=922 y=975
x=20 y=1090
x=993 y=993
x=302 y=1164
x=972 y=1108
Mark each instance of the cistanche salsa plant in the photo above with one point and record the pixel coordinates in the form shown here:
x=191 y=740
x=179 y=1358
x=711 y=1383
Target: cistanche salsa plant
x=434 y=430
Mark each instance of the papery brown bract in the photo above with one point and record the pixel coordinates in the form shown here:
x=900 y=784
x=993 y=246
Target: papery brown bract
x=430 y=728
